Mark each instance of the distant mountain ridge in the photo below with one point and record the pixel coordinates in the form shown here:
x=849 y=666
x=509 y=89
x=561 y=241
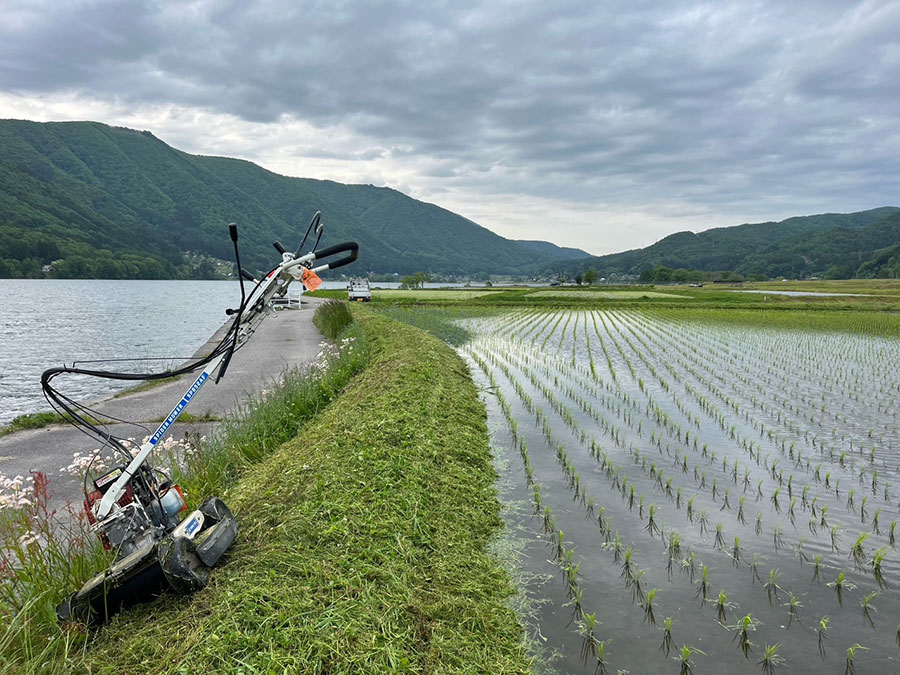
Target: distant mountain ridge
x=840 y=245
x=85 y=199
x=546 y=248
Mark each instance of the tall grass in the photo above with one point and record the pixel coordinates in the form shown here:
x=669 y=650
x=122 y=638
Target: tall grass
x=332 y=317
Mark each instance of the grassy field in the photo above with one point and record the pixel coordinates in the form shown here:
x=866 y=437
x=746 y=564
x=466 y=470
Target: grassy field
x=870 y=295
x=361 y=545
x=388 y=295
x=608 y=295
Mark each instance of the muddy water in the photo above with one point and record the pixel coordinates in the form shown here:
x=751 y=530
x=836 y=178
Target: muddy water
x=681 y=414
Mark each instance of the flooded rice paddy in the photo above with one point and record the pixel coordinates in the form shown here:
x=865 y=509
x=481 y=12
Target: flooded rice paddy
x=699 y=498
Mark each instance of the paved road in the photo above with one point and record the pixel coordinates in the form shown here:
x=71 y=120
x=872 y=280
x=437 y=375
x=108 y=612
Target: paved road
x=286 y=340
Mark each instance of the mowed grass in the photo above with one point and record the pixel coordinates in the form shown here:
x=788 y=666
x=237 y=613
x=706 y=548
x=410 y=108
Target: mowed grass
x=361 y=545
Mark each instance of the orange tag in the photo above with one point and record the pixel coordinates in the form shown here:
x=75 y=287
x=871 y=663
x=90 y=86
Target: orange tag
x=310 y=279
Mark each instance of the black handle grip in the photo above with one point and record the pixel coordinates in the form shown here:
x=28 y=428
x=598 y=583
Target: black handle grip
x=247 y=275
x=278 y=247
x=351 y=246
x=232 y=231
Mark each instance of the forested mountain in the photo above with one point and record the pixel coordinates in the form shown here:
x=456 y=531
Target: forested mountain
x=833 y=244
x=82 y=199
x=552 y=250
x=100 y=201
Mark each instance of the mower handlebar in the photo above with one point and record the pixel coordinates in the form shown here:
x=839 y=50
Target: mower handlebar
x=350 y=246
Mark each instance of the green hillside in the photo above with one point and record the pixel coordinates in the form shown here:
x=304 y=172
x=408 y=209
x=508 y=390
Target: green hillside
x=548 y=249
x=100 y=201
x=796 y=247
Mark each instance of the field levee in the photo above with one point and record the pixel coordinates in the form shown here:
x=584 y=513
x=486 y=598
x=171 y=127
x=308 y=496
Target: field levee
x=361 y=545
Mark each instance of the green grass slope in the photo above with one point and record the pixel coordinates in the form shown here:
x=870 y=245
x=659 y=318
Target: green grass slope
x=361 y=545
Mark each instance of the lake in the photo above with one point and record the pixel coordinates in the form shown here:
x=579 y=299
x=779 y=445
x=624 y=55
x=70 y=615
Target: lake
x=54 y=321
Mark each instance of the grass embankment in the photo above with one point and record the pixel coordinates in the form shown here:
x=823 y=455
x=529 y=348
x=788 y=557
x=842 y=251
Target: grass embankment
x=361 y=541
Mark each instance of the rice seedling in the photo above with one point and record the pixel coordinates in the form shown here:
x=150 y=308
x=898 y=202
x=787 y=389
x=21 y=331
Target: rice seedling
x=822 y=632
x=771 y=659
x=589 y=643
x=627 y=566
x=637 y=591
x=868 y=608
x=840 y=585
x=771 y=584
x=652 y=527
x=742 y=630
x=722 y=605
x=687 y=565
x=774 y=499
x=720 y=537
x=666 y=645
x=777 y=536
x=877 y=560
x=850 y=668
x=736 y=551
x=754 y=569
x=794 y=605
x=817 y=564
x=686 y=659
x=703 y=585
x=857 y=552
x=648 y=606
x=600 y=647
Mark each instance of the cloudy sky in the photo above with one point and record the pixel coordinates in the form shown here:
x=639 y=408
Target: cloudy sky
x=601 y=125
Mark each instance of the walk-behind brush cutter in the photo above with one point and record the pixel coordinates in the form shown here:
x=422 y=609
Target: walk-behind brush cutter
x=135 y=508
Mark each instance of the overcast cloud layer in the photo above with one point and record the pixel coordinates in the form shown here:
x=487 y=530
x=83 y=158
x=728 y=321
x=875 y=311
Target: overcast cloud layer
x=598 y=125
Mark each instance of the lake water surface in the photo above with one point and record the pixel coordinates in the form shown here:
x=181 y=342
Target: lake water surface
x=52 y=322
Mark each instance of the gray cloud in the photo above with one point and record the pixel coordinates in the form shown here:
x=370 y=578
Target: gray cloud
x=693 y=114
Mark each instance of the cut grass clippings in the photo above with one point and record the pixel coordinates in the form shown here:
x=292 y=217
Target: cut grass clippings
x=361 y=543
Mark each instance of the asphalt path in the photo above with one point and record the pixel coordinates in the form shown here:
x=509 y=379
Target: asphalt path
x=285 y=340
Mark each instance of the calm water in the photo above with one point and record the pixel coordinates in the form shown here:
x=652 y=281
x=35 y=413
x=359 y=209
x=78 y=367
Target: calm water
x=51 y=322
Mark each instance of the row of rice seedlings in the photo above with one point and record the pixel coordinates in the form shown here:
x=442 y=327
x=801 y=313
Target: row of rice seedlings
x=652 y=526
x=769 y=432
x=875 y=520
x=793 y=606
x=630 y=573
x=859 y=558
x=825 y=385
x=592 y=647
x=736 y=547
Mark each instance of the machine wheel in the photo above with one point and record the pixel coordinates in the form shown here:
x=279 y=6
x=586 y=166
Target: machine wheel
x=183 y=568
